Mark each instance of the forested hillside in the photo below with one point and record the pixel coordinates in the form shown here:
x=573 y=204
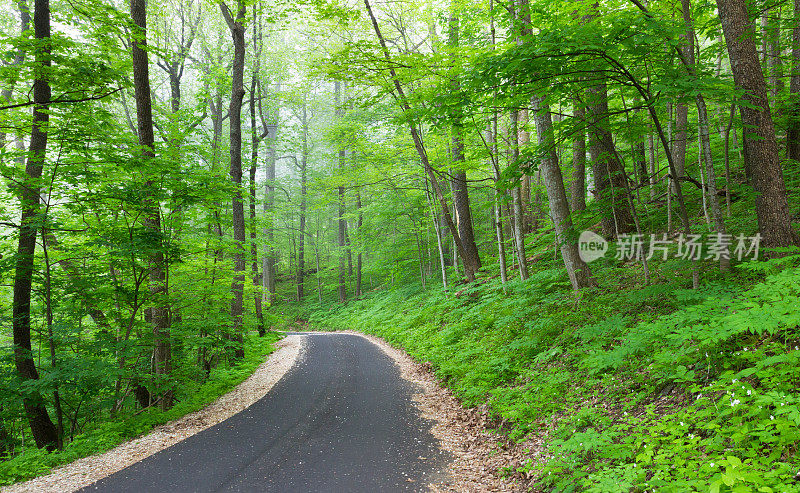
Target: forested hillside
x=581 y=215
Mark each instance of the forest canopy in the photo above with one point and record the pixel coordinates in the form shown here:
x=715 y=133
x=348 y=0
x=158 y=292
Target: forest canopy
x=182 y=178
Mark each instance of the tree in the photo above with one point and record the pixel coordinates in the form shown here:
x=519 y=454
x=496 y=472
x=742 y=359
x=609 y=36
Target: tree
x=158 y=314
x=760 y=145
x=43 y=430
x=236 y=27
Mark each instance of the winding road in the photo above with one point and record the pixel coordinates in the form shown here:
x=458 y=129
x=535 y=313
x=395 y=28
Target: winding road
x=341 y=420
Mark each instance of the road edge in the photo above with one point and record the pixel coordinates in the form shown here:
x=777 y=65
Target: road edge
x=479 y=455
x=85 y=471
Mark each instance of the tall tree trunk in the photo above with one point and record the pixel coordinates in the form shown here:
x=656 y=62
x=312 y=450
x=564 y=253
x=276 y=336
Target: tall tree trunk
x=760 y=145
x=358 y=257
x=342 y=223
x=578 y=271
x=44 y=432
x=640 y=154
x=270 y=259
x=256 y=136
x=255 y=140
x=793 y=132
x=578 y=185
x=301 y=259
x=156 y=269
x=461 y=205
x=608 y=172
x=498 y=208
x=236 y=27
x=417 y=138
x=516 y=200
x=705 y=140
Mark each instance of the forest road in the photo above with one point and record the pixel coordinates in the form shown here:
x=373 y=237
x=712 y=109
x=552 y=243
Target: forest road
x=341 y=420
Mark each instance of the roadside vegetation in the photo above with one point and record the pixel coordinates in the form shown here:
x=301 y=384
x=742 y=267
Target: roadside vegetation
x=104 y=432
x=635 y=387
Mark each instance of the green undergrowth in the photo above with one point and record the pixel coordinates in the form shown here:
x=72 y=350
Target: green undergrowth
x=106 y=435
x=636 y=387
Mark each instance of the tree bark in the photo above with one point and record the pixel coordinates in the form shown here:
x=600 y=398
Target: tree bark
x=760 y=144
x=255 y=140
x=418 y=144
x=705 y=140
x=609 y=175
x=270 y=259
x=236 y=27
x=461 y=204
x=578 y=185
x=342 y=223
x=158 y=315
x=793 y=132
x=301 y=259
x=42 y=428
x=577 y=270
x=358 y=257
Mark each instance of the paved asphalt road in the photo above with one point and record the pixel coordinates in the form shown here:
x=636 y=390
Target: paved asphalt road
x=341 y=420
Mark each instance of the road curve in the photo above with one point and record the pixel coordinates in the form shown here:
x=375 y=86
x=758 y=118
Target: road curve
x=341 y=420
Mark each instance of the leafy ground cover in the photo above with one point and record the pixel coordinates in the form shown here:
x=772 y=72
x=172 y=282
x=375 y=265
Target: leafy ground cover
x=638 y=387
x=107 y=433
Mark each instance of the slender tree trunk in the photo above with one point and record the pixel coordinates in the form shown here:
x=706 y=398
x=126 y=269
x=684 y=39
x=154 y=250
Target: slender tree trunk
x=256 y=137
x=578 y=185
x=418 y=144
x=516 y=200
x=301 y=259
x=461 y=204
x=255 y=140
x=760 y=145
x=498 y=209
x=704 y=138
x=358 y=257
x=342 y=223
x=578 y=271
x=44 y=432
x=157 y=277
x=609 y=175
x=793 y=132
x=236 y=27
x=270 y=259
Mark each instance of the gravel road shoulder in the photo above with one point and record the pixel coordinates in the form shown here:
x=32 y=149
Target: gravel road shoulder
x=484 y=460
x=86 y=471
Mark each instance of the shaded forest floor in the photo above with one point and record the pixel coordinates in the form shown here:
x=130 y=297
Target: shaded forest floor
x=630 y=386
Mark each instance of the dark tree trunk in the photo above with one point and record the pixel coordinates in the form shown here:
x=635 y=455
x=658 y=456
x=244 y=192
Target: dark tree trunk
x=158 y=314
x=42 y=428
x=236 y=27
x=609 y=175
x=417 y=138
x=793 y=132
x=579 y=274
x=358 y=257
x=269 y=230
x=760 y=145
x=472 y=261
x=578 y=185
x=255 y=140
x=301 y=256
x=342 y=223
